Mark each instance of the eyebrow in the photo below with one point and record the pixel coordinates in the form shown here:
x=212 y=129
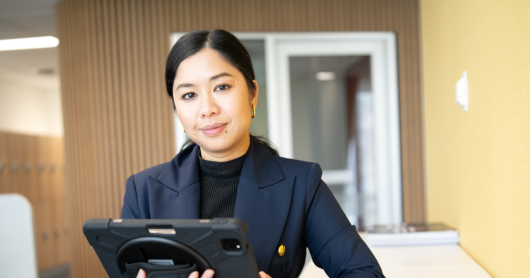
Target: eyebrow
x=187 y=85
x=220 y=75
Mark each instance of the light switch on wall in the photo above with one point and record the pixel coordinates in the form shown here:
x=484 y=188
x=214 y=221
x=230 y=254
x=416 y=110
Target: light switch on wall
x=461 y=92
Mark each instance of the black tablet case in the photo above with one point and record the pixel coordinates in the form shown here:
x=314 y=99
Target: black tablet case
x=219 y=244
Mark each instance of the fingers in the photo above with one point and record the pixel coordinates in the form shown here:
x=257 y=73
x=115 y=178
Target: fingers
x=141 y=274
x=208 y=273
x=263 y=275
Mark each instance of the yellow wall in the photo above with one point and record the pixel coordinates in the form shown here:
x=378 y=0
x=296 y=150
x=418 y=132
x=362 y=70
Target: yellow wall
x=478 y=162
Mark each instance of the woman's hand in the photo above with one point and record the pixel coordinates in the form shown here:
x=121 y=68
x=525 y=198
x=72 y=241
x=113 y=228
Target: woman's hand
x=207 y=274
x=141 y=274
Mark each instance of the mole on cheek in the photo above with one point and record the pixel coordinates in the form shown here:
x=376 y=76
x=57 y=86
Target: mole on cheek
x=226 y=131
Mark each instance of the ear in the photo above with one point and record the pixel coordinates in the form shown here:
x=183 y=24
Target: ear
x=254 y=95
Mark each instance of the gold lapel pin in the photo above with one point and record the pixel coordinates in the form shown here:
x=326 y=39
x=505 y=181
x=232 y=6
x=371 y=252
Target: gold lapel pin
x=281 y=250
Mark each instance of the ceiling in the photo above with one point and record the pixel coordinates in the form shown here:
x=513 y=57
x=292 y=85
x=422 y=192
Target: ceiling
x=31 y=18
x=37 y=68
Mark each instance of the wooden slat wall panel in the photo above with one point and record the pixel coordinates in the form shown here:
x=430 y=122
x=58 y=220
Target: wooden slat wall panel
x=6 y=159
x=118 y=120
x=71 y=191
x=4 y=168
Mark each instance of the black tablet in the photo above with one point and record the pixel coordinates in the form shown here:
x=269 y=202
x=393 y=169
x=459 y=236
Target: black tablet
x=172 y=248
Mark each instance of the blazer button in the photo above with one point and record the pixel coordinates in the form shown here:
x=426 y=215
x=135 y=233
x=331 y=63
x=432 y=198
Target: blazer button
x=281 y=250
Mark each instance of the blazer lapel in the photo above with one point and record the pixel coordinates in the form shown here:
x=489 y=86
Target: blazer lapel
x=263 y=196
x=263 y=202
x=175 y=194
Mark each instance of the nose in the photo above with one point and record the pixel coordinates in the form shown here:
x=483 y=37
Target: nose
x=209 y=106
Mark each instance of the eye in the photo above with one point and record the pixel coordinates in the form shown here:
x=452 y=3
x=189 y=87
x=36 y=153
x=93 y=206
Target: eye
x=222 y=87
x=188 y=96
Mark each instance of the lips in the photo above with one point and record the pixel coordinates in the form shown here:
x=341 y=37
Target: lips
x=214 y=129
x=213 y=126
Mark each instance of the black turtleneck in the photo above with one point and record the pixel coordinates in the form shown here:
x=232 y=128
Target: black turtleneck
x=219 y=181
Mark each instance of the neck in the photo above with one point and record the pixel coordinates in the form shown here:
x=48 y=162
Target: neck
x=236 y=151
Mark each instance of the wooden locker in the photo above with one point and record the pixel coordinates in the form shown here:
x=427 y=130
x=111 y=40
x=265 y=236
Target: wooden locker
x=56 y=185
x=55 y=234
x=33 y=167
x=38 y=215
x=25 y=165
x=60 y=236
x=44 y=173
x=47 y=224
x=32 y=174
x=15 y=163
x=60 y=168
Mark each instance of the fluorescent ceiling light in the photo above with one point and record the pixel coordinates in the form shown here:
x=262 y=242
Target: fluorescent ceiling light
x=28 y=43
x=325 y=75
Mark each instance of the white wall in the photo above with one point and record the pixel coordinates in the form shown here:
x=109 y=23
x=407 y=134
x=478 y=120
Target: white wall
x=28 y=110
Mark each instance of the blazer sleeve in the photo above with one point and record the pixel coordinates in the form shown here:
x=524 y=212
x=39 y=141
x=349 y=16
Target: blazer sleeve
x=130 y=209
x=333 y=242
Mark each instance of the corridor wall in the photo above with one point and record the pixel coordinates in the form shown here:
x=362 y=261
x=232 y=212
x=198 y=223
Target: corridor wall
x=478 y=161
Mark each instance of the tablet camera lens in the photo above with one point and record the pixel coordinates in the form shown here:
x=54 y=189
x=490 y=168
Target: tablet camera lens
x=231 y=244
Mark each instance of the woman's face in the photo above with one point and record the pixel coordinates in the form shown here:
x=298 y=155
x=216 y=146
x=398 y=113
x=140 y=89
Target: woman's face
x=214 y=105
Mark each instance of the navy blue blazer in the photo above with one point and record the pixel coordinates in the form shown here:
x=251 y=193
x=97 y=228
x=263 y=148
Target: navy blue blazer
x=283 y=201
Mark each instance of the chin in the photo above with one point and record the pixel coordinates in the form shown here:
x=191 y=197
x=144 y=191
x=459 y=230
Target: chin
x=215 y=144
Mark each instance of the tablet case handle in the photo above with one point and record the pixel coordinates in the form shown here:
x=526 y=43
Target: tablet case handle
x=140 y=250
x=153 y=271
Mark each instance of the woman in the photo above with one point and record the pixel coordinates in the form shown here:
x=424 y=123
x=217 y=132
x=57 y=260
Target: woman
x=226 y=172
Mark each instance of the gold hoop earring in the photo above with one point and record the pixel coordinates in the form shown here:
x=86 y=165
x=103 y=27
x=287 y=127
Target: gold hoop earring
x=253 y=111
x=184 y=130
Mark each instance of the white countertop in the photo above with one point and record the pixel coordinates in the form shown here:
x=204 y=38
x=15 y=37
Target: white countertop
x=417 y=261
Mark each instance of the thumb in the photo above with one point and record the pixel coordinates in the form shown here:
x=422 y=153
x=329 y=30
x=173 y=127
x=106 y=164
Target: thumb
x=141 y=274
x=263 y=275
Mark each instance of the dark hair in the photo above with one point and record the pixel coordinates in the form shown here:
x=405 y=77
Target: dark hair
x=230 y=49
